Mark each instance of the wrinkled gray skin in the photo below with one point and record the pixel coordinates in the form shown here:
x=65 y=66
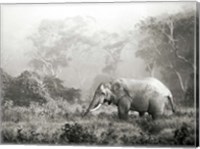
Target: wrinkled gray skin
x=147 y=95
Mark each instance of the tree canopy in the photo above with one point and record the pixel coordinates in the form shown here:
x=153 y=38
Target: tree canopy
x=167 y=45
x=31 y=87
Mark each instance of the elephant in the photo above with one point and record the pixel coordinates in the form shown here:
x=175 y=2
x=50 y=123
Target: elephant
x=145 y=95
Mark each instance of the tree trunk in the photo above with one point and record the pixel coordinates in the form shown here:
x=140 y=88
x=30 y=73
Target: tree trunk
x=180 y=80
x=151 y=69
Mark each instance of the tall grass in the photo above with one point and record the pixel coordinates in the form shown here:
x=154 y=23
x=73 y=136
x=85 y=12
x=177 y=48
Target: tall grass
x=58 y=122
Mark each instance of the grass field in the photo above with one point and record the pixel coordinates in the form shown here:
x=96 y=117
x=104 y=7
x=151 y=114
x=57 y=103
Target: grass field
x=61 y=123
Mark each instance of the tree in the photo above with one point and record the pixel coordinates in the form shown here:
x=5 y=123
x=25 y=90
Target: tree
x=167 y=46
x=31 y=87
x=56 y=89
x=6 y=80
x=113 y=46
x=56 y=40
x=26 y=88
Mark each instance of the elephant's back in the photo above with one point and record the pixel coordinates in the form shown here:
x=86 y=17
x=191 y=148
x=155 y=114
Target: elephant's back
x=146 y=87
x=157 y=85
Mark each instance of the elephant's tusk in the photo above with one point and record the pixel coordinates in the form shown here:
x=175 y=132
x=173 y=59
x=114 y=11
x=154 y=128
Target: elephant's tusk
x=96 y=108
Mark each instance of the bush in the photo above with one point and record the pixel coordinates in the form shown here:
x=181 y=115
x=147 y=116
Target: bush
x=47 y=124
x=142 y=139
x=149 y=126
x=184 y=135
x=109 y=137
x=56 y=89
x=30 y=87
x=76 y=134
x=29 y=135
x=53 y=110
x=24 y=89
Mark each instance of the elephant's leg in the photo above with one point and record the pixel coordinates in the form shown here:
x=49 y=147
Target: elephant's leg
x=123 y=108
x=123 y=114
x=156 y=108
x=155 y=113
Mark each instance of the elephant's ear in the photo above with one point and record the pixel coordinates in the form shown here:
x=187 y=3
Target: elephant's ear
x=116 y=87
x=126 y=90
x=120 y=87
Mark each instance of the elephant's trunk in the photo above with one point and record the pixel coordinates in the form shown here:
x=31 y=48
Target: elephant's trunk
x=94 y=105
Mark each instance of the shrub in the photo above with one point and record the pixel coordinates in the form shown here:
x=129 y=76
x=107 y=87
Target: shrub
x=184 y=135
x=76 y=134
x=56 y=89
x=25 y=88
x=8 y=136
x=149 y=126
x=46 y=124
x=31 y=87
x=142 y=139
x=109 y=137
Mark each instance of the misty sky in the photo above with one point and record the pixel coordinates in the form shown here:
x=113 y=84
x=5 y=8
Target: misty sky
x=20 y=21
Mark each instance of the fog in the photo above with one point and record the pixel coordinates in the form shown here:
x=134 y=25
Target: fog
x=21 y=21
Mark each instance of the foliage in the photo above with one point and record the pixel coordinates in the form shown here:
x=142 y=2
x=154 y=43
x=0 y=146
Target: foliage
x=184 y=135
x=189 y=93
x=30 y=87
x=54 y=42
x=75 y=134
x=56 y=89
x=109 y=137
x=25 y=88
x=57 y=43
x=167 y=46
x=30 y=135
x=51 y=111
x=61 y=123
x=6 y=79
x=113 y=46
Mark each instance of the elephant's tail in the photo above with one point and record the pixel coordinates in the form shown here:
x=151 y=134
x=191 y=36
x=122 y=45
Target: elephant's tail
x=171 y=101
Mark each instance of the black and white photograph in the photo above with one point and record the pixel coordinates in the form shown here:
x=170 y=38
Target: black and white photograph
x=99 y=74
